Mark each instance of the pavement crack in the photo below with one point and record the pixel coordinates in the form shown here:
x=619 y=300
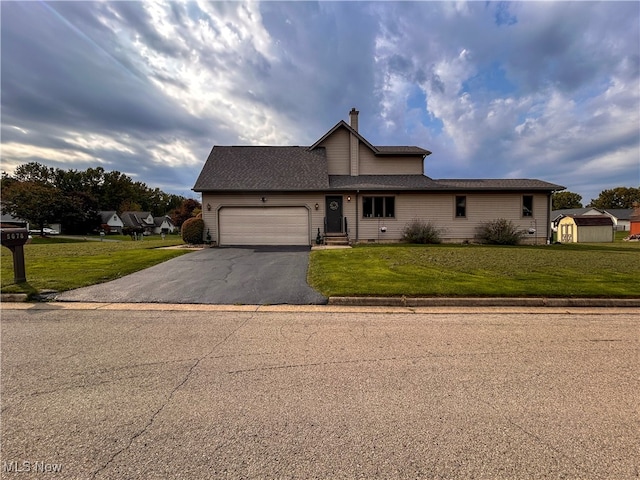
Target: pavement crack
x=166 y=402
x=540 y=440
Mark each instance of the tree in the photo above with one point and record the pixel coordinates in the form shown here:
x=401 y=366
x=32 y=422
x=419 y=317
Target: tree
x=566 y=200
x=37 y=203
x=188 y=209
x=619 y=197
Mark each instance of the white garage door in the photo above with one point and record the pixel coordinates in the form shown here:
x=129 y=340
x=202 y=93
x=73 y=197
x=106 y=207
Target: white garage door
x=264 y=226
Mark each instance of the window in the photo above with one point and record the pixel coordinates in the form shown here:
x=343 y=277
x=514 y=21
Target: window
x=376 y=207
x=461 y=206
x=527 y=205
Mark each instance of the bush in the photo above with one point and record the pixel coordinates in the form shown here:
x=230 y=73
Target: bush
x=419 y=232
x=192 y=230
x=499 y=232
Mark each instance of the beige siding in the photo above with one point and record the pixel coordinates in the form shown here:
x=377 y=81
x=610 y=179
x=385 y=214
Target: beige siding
x=354 y=159
x=388 y=165
x=309 y=200
x=337 y=150
x=439 y=209
x=436 y=208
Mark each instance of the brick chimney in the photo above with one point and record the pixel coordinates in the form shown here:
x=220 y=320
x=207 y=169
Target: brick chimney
x=353 y=118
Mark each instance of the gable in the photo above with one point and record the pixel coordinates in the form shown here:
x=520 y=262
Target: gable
x=349 y=153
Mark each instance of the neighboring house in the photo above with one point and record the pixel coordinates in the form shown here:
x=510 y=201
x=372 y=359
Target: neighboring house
x=163 y=225
x=112 y=219
x=620 y=216
x=634 y=221
x=9 y=221
x=342 y=185
x=585 y=229
x=142 y=220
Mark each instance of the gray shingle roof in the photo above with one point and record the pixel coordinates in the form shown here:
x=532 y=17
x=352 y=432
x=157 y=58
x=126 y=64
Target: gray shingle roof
x=404 y=150
x=382 y=182
x=264 y=168
x=592 y=220
x=499 y=184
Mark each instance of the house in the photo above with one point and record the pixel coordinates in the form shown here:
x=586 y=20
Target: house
x=585 y=229
x=343 y=186
x=143 y=220
x=163 y=225
x=112 y=219
x=620 y=216
x=9 y=221
x=634 y=220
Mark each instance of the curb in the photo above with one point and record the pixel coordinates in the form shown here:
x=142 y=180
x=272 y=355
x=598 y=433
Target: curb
x=13 y=297
x=484 y=302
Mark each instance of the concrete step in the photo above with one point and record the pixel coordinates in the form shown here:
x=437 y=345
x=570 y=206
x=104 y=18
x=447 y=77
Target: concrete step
x=336 y=240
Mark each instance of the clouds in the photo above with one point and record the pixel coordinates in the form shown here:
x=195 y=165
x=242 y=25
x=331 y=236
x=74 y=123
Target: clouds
x=539 y=90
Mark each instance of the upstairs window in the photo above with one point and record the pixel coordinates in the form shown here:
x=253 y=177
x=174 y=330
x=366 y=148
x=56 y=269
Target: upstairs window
x=378 y=207
x=527 y=205
x=461 y=206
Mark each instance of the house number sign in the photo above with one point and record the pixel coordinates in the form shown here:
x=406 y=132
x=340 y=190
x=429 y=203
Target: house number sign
x=333 y=205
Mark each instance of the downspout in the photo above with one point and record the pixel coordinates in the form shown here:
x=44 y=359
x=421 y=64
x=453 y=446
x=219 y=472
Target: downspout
x=549 y=232
x=357 y=216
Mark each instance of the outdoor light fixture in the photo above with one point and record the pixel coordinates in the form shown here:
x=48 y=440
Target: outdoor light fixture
x=209 y=206
x=264 y=199
x=348 y=198
x=317 y=206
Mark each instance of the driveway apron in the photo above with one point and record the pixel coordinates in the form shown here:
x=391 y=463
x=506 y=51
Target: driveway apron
x=242 y=275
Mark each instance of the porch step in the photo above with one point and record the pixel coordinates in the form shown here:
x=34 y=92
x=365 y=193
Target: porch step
x=333 y=239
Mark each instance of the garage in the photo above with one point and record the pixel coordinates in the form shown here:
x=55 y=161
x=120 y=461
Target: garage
x=264 y=225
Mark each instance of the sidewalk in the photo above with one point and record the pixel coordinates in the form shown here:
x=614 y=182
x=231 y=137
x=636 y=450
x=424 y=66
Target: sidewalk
x=407 y=302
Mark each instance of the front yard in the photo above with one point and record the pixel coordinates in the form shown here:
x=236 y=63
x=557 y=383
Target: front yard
x=596 y=270
x=61 y=264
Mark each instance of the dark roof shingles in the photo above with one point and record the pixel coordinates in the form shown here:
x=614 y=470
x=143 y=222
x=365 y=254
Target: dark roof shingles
x=264 y=168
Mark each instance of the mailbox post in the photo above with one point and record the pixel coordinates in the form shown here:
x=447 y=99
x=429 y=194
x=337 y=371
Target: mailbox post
x=14 y=239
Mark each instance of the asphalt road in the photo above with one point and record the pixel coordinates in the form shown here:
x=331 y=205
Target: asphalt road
x=249 y=276
x=105 y=393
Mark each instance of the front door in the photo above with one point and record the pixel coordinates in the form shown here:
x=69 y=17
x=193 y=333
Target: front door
x=334 y=214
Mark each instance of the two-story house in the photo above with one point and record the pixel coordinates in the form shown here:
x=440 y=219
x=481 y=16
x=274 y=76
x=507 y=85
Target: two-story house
x=342 y=185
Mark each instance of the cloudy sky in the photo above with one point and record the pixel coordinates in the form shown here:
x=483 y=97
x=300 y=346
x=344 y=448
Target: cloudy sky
x=494 y=89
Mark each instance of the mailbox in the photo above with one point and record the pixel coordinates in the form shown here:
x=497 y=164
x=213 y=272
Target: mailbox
x=14 y=239
x=14 y=236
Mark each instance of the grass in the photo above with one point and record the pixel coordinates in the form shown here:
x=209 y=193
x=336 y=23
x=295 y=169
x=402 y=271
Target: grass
x=62 y=264
x=578 y=270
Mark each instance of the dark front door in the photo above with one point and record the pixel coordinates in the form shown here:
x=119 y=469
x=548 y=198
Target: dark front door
x=334 y=214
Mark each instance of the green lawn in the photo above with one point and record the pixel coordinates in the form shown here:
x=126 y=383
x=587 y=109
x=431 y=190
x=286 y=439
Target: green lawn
x=61 y=264
x=595 y=270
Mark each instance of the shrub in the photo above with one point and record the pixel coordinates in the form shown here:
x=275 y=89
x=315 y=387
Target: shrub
x=192 y=230
x=419 y=232
x=499 y=232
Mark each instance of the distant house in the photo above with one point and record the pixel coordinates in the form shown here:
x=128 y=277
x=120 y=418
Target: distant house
x=634 y=221
x=9 y=221
x=344 y=188
x=163 y=225
x=143 y=220
x=620 y=216
x=585 y=229
x=111 y=218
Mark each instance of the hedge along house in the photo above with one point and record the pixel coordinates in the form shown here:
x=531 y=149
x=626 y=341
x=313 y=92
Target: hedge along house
x=344 y=187
x=585 y=229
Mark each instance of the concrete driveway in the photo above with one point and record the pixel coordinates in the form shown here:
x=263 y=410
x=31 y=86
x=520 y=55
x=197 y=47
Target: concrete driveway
x=250 y=275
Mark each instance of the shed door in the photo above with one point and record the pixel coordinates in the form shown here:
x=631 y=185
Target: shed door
x=264 y=226
x=566 y=233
